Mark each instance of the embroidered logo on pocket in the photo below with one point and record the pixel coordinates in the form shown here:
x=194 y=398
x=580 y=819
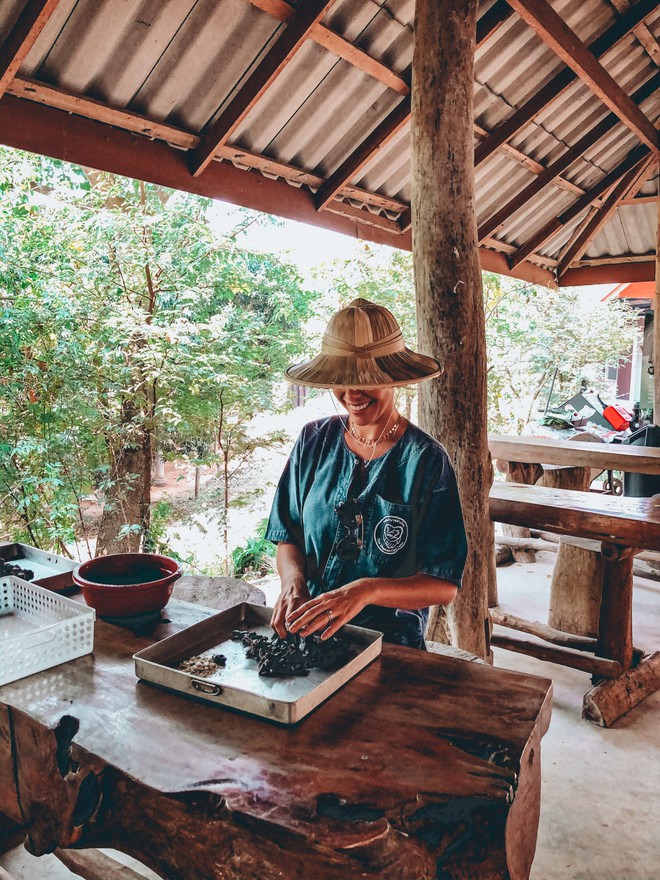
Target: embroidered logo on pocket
x=391 y=534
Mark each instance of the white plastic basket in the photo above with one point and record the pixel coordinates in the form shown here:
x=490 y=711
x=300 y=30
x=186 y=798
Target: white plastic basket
x=40 y=629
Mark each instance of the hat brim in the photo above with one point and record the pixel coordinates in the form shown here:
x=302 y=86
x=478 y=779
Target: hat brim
x=404 y=367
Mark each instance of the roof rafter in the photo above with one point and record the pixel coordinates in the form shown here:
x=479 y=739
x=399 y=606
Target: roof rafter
x=627 y=186
x=565 y=43
x=539 y=238
x=27 y=125
x=573 y=153
x=265 y=73
x=41 y=93
x=641 y=31
x=22 y=37
x=397 y=119
x=340 y=46
x=559 y=83
x=610 y=273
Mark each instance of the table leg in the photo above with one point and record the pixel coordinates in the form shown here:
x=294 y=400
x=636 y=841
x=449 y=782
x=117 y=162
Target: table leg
x=611 y=698
x=615 y=620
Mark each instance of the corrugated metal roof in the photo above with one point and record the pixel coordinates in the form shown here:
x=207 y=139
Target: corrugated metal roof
x=181 y=63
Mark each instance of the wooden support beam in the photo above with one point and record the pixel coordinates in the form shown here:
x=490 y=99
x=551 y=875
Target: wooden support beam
x=559 y=83
x=22 y=37
x=448 y=283
x=609 y=700
x=555 y=654
x=542 y=630
x=265 y=73
x=649 y=42
x=549 y=175
x=539 y=238
x=615 y=271
x=41 y=93
x=381 y=135
x=656 y=329
x=579 y=245
x=554 y=31
x=339 y=46
x=95 y=865
x=398 y=118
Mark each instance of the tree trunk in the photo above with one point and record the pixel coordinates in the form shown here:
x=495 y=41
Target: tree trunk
x=656 y=330
x=450 y=307
x=130 y=481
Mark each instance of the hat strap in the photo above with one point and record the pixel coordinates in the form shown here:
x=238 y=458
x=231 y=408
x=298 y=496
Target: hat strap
x=389 y=344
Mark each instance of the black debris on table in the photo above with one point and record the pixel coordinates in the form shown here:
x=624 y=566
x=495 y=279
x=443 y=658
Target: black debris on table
x=296 y=654
x=7 y=569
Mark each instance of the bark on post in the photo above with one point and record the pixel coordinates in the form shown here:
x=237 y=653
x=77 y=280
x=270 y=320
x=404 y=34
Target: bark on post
x=450 y=311
x=656 y=330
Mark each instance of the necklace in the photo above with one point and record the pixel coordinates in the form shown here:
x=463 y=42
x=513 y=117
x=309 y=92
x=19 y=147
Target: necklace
x=372 y=442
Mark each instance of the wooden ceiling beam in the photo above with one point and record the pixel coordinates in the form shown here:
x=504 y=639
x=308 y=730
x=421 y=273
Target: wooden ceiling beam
x=48 y=131
x=397 y=119
x=265 y=73
x=577 y=248
x=561 y=81
x=610 y=273
x=340 y=46
x=641 y=200
x=22 y=37
x=565 y=43
x=550 y=229
x=641 y=31
x=41 y=93
x=549 y=175
x=381 y=135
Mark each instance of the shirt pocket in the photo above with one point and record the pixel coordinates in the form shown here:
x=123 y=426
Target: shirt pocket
x=388 y=530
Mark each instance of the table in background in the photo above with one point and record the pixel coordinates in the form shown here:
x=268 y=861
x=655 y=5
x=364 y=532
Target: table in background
x=620 y=527
x=422 y=765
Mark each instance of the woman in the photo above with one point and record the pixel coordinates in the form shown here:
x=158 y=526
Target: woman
x=366 y=517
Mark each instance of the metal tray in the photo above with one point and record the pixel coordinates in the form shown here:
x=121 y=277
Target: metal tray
x=238 y=685
x=50 y=570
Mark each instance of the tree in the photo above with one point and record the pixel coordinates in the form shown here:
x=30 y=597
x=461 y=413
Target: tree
x=130 y=321
x=532 y=331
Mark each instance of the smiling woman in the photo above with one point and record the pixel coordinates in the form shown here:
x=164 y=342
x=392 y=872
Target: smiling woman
x=366 y=517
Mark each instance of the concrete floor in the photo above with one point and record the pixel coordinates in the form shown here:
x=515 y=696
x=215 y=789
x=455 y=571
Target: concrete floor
x=600 y=806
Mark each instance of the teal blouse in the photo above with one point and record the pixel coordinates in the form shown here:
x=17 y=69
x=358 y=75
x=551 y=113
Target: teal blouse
x=411 y=512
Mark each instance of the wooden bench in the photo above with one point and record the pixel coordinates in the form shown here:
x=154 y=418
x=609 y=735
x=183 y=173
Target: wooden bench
x=623 y=527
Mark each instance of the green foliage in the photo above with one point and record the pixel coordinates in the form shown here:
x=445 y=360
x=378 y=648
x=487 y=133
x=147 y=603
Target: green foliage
x=126 y=324
x=256 y=556
x=530 y=331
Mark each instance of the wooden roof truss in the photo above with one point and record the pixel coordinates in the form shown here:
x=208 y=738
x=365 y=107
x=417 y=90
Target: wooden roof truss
x=337 y=195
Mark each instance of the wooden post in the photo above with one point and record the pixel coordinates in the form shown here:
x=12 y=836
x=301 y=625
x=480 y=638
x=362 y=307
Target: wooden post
x=656 y=330
x=450 y=310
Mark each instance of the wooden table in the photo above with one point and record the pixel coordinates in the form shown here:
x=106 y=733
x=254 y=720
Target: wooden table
x=423 y=766
x=622 y=526
x=574 y=453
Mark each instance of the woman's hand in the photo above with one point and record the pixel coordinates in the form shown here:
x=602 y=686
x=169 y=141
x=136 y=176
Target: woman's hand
x=329 y=611
x=292 y=597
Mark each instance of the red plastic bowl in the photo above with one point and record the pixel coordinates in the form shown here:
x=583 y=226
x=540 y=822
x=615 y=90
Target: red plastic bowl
x=127 y=584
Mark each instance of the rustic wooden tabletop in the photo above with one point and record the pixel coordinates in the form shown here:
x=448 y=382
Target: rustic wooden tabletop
x=422 y=766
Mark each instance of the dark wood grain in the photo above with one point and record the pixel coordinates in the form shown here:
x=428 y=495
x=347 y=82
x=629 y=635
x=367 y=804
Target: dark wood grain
x=423 y=766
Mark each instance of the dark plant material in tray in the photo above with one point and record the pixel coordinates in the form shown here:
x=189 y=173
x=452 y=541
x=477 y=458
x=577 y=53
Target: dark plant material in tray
x=296 y=654
x=7 y=569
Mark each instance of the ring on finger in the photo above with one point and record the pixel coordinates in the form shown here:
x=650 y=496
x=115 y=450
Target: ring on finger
x=330 y=614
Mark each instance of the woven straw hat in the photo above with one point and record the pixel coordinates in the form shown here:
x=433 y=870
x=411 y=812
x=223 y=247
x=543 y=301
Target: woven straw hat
x=363 y=347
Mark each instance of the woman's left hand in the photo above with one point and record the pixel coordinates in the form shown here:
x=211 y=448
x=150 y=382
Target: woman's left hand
x=329 y=611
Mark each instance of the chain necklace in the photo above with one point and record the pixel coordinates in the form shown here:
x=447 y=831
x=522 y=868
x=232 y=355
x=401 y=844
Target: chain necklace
x=372 y=442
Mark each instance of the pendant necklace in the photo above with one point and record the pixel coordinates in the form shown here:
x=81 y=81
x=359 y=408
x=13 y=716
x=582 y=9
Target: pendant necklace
x=372 y=442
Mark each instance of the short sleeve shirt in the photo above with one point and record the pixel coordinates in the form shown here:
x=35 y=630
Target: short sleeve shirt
x=411 y=516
